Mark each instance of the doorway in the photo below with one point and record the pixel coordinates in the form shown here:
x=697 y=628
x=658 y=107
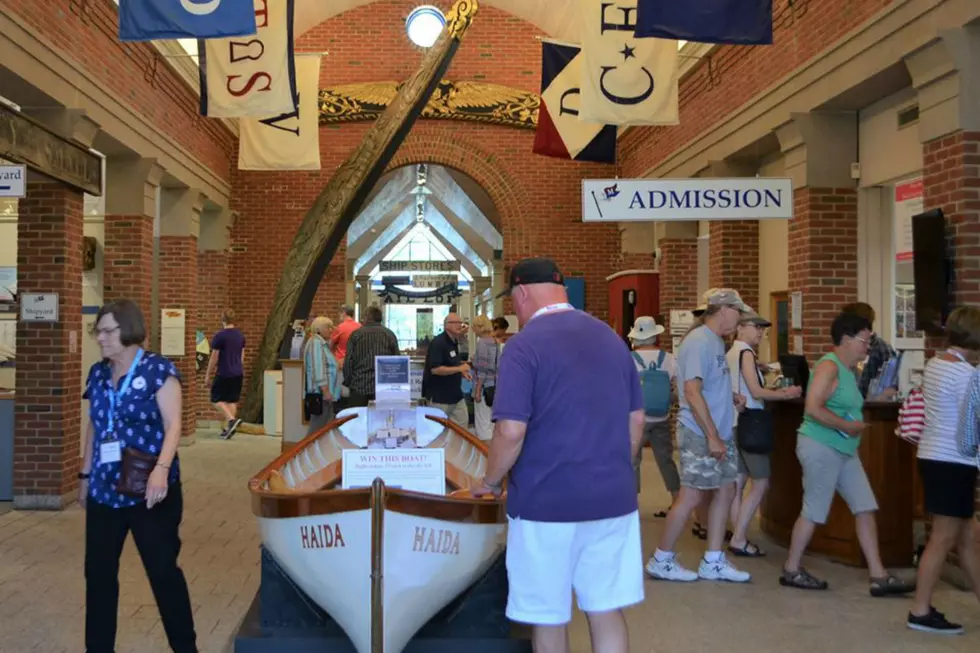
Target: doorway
x=629 y=314
x=779 y=338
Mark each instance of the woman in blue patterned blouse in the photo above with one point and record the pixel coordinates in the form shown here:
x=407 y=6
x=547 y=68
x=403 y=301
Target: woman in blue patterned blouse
x=135 y=403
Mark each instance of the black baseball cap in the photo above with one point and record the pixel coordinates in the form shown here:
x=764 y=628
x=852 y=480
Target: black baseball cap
x=533 y=270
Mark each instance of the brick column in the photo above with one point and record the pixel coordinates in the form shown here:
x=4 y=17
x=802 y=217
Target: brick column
x=48 y=403
x=678 y=272
x=131 y=207
x=180 y=226
x=734 y=262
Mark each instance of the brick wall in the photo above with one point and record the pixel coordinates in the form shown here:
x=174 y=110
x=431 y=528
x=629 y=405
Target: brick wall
x=734 y=258
x=537 y=197
x=678 y=278
x=49 y=395
x=178 y=266
x=133 y=72
x=128 y=260
x=822 y=261
x=801 y=30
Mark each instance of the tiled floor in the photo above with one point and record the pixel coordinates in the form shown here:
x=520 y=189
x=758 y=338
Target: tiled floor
x=42 y=588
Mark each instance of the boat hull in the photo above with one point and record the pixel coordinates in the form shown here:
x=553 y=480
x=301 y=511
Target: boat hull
x=425 y=564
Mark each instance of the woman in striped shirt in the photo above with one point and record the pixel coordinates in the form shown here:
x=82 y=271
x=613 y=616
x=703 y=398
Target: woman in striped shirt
x=948 y=477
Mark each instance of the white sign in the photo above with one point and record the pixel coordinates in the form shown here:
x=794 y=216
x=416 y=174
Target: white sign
x=645 y=200
x=173 y=331
x=392 y=379
x=908 y=202
x=680 y=322
x=38 y=307
x=417 y=374
x=796 y=312
x=434 y=280
x=13 y=181
x=418 y=470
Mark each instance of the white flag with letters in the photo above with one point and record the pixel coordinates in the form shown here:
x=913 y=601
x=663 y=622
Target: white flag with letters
x=290 y=141
x=625 y=80
x=251 y=75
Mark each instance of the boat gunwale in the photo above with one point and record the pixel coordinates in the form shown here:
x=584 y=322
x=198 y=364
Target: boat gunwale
x=270 y=504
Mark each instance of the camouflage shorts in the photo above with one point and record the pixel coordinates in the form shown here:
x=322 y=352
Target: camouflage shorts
x=698 y=469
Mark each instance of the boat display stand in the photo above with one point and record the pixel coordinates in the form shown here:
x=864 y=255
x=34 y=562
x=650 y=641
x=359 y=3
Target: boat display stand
x=283 y=619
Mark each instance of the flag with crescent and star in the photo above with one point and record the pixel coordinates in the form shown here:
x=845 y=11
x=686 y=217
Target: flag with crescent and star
x=560 y=133
x=148 y=20
x=625 y=80
x=737 y=22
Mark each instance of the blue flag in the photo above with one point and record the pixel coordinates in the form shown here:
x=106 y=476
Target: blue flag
x=147 y=20
x=737 y=22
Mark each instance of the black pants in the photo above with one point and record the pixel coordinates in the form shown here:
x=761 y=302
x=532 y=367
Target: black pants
x=155 y=532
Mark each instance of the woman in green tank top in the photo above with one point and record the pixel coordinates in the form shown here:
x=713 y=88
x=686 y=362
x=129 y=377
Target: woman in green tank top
x=827 y=447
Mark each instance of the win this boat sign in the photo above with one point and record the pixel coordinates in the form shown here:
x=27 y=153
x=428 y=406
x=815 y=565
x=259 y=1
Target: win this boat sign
x=648 y=200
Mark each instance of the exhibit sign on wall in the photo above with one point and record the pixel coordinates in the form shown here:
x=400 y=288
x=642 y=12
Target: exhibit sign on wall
x=646 y=200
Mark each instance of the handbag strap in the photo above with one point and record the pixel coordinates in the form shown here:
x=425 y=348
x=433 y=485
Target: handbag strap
x=741 y=379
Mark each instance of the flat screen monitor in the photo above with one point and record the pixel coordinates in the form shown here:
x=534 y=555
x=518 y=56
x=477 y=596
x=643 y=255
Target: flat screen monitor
x=795 y=368
x=932 y=270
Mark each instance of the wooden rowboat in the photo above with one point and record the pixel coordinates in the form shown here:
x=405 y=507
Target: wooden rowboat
x=381 y=561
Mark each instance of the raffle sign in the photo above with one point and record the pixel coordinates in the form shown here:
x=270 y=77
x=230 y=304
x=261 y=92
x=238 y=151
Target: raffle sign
x=908 y=202
x=418 y=470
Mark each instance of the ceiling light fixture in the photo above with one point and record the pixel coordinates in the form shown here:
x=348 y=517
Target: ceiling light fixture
x=424 y=25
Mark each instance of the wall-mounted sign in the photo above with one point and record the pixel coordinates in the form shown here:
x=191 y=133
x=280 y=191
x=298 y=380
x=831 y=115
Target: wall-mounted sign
x=38 y=307
x=173 y=331
x=13 y=181
x=419 y=266
x=434 y=280
x=645 y=200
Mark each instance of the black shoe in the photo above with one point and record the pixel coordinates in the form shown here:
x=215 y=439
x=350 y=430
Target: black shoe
x=934 y=622
x=229 y=432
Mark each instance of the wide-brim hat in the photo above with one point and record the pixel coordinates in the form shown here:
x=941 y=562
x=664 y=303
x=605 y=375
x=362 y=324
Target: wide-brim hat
x=645 y=328
x=754 y=318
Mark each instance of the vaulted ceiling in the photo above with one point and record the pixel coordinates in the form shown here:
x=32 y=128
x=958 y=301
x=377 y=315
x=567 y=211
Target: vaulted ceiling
x=556 y=18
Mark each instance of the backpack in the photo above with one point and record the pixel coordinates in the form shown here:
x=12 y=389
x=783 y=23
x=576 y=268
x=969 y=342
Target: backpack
x=912 y=417
x=655 y=383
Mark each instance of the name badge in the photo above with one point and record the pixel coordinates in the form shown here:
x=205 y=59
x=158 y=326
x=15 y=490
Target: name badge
x=110 y=452
x=452 y=353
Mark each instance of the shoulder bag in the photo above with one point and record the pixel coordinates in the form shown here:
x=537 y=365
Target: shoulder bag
x=754 y=432
x=134 y=472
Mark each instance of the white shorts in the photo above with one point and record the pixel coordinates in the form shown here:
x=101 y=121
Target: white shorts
x=601 y=560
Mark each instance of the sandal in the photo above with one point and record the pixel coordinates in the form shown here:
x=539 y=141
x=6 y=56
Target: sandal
x=801 y=579
x=750 y=550
x=660 y=514
x=889 y=586
x=699 y=531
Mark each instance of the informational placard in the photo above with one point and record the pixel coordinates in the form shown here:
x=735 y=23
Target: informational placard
x=418 y=470
x=392 y=379
x=416 y=380
x=38 y=307
x=173 y=331
x=672 y=200
x=434 y=280
x=13 y=181
x=908 y=202
x=680 y=322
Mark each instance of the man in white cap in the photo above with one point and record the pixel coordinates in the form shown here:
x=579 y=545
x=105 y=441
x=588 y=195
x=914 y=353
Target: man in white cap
x=705 y=439
x=658 y=372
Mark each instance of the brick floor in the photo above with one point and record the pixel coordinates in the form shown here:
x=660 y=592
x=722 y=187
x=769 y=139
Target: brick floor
x=42 y=587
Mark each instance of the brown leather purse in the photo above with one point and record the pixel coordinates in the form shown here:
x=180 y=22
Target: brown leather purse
x=134 y=472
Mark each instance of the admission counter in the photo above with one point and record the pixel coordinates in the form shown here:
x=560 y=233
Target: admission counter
x=890 y=465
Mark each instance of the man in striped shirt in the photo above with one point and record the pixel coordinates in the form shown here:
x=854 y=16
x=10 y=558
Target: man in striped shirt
x=371 y=340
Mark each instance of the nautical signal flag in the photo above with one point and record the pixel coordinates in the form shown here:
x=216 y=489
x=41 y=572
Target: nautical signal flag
x=626 y=80
x=740 y=22
x=560 y=133
x=253 y=77
x=147 y=20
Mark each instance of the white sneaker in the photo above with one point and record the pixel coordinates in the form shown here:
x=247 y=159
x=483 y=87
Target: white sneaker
x=669 y=569
x=722 y=570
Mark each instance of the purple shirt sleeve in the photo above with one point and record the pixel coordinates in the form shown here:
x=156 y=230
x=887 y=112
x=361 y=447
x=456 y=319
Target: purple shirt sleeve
x=515 y=384
x=218 y=341
x=636 y=392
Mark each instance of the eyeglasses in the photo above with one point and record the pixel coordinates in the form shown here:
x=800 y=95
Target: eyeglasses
x=105 y=332
x=866 y=341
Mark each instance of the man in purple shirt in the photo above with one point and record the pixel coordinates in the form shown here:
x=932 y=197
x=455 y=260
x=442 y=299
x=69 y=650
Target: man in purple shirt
x=569 y=419
x=227 y=358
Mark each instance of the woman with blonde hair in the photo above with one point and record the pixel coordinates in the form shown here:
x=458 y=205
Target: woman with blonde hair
x=485 y=375
x=320 y=372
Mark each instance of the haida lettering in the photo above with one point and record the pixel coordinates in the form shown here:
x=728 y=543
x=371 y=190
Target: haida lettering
x=432 y=540
x=321 y=536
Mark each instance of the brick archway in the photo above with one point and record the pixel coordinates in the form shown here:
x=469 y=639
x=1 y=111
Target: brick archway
x=507 y=195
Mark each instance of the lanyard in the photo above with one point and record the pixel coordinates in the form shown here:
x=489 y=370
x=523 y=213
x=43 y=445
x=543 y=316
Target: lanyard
x=563 y=306
x=956 y=354
x=115 y=398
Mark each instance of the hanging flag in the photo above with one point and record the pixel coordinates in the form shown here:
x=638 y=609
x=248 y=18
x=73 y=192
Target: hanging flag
x=290 y=141
x=560 y=133
x=147 y=20
x=254 y=76
x=625 y=80
x=740 y=22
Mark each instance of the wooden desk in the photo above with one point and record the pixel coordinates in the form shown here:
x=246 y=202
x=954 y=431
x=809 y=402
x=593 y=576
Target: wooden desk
x=889 y=462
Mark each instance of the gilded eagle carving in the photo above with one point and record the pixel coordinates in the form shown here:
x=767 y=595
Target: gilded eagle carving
x=469 y=101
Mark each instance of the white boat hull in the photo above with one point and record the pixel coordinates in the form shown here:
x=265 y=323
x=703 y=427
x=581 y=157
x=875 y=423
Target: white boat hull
x=426 y=563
